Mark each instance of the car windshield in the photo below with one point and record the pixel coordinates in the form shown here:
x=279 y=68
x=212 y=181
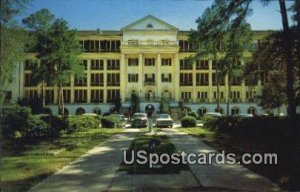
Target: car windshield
x=139 y=115
x=163 y=116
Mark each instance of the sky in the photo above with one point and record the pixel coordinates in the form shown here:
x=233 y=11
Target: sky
x=115 y=14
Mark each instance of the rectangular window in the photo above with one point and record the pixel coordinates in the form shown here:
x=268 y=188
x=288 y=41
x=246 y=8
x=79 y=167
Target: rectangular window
x=31 y=64
x=84 y=63
x=186 y=79
x=133 y=77
x=113 y=79
x=80 y=81
x=112 y=95
x=97 y=79
x=113 y=64
x=186 y=96
x=167 y=77
x=97 y=96
x=214 y=80
x=31 y=94
x=80 y=96
x=202 y=95
x=149 y=62
x=29 y=81
x=150 y=79
x=67 y=96
x=8 y=96
x=202 y=65
x=185 y=65
x=97 y=64
x=202 y=79
x=133 y=62
x=186 y=46
x=49 y=96
x=236 y=81
x=166 y=61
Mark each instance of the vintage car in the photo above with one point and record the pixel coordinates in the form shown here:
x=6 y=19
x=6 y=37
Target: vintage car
x=164 y=120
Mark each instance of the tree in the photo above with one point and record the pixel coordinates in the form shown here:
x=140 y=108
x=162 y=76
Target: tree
x=268 y=61
x=118 y=104
x=135 y=103
x=12 y=40
x=208 y=42
x=239 y=36
x=60 y=58
x=40 y=22
x=239 y=10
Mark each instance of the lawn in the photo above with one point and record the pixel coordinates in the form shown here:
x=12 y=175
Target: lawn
x=21 y=169
x=285 y=173
x=141 y=142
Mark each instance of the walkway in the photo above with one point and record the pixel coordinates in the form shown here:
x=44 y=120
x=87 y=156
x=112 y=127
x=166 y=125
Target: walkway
x=94 y=171
x=218 y=177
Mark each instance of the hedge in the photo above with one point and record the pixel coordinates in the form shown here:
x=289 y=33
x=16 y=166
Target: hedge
x=110 y=122
x=188 y=121
x=79 y=123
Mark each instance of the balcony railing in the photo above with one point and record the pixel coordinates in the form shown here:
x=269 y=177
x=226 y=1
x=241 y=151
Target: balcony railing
x=151 y=99
x=149 y=83
x=136 y=43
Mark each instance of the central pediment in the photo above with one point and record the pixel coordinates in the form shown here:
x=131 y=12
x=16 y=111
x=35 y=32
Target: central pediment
x=149 y=23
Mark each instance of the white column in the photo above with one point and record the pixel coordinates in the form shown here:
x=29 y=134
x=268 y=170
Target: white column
x=105 y=81
x=175 y=77
x=88 y=76
x=72 y=92
x=210 y=90
x=194 y=94
x=158 y=76
x=122 y=77
x=141 y=75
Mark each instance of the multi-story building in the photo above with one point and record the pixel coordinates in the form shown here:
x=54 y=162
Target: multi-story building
x=147 y=58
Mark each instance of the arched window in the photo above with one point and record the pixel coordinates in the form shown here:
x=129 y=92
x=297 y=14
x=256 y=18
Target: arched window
x=201 y=111
x=66 y=111
x=251 y=110
x=80 y=111
x=221 y=110
x=97 y=111
x=235 y=110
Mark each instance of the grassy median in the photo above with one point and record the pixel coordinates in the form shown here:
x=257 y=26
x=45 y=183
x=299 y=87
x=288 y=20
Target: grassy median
x=41 y=158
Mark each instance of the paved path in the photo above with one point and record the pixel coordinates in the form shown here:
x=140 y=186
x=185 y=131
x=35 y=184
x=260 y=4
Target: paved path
x=96 y=171
x=92 y=172
x=218 y=177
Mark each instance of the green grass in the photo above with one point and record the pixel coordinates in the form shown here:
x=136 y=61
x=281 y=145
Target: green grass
x=41 y=158
x=141 y=142
x=286 y=173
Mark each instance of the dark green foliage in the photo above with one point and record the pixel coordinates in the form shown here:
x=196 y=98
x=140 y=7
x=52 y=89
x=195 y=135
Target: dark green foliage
x=19 y=123
x=209 y=122
x=78 y=123
x=193 y=114
x=109 y=122
x=188 y=121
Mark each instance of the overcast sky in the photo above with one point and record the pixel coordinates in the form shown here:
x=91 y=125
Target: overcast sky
x=115 y=14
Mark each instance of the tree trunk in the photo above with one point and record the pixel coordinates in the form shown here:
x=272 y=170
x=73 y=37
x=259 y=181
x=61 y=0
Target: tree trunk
x=217 y=76
x=228 y=95
x=60 y=100
x=288 y=59
x=43 y=96
x=297 y=7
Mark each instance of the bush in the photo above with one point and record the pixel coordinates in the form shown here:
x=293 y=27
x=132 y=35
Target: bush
x=110 y=122
x=188 y=121
x=210 y=122
x=78 y=123
x=193 y=114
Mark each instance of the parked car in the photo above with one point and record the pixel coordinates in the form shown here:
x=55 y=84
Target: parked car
x=212 y=114
x=243 y=115
x=122 y=119
x=164 y=120
x=139 y=120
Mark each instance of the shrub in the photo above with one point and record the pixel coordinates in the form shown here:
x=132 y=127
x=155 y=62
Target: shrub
x=78 y=123
x=188 y=121
x=193 y=114
x=210 y=122
x=110 y=122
